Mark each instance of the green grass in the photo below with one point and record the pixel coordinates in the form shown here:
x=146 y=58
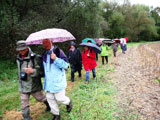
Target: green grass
x=9 y=95
x=131 y=44
x=95 y=101
x=91 y=102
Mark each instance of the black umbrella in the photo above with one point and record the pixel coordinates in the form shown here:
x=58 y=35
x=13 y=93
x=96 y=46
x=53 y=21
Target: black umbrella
x=94 y=47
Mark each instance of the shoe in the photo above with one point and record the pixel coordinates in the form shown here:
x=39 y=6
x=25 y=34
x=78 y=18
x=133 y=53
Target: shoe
x=69 y=107
x=26 y=114
x=47 y=106
x=56 y=117
x=94 y=78
x=86 y=82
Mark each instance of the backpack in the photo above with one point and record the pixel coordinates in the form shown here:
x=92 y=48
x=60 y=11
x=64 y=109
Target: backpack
x=39 y=61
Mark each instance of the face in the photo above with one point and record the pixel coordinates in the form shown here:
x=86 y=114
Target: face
x=47 y=44
x=72 y=46
x=86 y=48
x=23 y=52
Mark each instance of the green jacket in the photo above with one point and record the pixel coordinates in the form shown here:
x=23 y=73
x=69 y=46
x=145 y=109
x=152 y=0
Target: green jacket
x=104 y=51
x=33 y=81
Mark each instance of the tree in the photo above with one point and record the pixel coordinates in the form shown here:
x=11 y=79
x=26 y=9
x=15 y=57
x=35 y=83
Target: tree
x=138 y=20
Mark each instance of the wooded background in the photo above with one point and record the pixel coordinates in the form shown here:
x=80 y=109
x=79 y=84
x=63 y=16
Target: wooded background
x=83 y=18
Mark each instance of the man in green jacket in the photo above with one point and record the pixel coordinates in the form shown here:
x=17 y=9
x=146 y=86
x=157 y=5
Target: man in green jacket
x=29 y=78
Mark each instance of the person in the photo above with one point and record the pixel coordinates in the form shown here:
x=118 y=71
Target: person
x=123 y=45
x=115 y=48
x=55 y=62
x=89 y=62
x=75 y=60
x=97 y=53
x=104 y=53
x=29 y=78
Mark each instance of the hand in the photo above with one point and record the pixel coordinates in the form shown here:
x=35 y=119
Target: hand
x=88 y=54
x=29 y=70
x=53 y=56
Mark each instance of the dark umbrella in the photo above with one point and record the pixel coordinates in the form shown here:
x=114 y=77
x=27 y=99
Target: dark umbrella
x=94 y=47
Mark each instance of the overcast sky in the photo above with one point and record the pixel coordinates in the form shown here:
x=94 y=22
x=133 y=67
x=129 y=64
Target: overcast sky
x=154 y=3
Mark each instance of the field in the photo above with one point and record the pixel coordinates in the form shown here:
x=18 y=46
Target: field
x=100 y=100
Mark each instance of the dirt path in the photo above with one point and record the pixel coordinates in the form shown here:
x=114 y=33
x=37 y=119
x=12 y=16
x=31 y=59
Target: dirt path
x=135 y=78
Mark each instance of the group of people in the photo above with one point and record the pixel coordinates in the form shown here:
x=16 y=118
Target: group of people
x=54 y=62
x=52 y=65
x=76 y=59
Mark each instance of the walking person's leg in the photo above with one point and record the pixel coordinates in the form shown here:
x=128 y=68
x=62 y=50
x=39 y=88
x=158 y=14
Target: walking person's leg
x=122 y=49
x=72 y=75
x=54 y=105
x=114 y=52
x=79 y=72
x=106 y=57
x=94 y=73
x=39 y=96
x=25 y=106
x=61 y=97
x=126 y=47
x=87 y=76
x=102 y=60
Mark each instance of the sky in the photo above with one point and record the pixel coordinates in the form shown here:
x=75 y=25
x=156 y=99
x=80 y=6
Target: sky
x=154 y=3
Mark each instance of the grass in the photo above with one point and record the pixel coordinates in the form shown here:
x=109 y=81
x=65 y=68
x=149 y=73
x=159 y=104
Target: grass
x=9 y=96
x=95 y=101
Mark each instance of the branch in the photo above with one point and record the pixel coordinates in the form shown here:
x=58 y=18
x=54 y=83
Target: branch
x=59 y=20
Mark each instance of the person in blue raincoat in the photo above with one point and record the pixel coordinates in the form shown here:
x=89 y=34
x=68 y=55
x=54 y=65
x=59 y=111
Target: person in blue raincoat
x=55 y=62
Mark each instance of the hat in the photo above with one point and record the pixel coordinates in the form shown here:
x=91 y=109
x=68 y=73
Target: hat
x=72 y=43
x=21 y=45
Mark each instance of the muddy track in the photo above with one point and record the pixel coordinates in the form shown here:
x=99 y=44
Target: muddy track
x=137 y=70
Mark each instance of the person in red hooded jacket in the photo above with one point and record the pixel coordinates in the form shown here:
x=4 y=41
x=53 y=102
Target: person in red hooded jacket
x=89 y=62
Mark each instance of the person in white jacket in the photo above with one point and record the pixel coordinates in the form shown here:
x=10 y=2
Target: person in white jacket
x=123 y=45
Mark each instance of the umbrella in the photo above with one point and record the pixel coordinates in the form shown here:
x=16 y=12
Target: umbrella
x=117 y=40
x=106 y=41
x=100 y=40
x=54 y=34
x=126 y=39
x=94 y=47
x=88 y=39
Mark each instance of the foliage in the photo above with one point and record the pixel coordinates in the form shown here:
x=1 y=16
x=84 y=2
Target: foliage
x=22 y=17
x=134 y=21
x=83 y=18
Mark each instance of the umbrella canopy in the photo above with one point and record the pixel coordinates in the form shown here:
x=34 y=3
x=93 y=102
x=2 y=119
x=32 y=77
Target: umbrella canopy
x=126 y=39
x=107 y=41
x=100 y=40
x=94 y=47
x=88 y=39
x=54 y=34
x=117 y=40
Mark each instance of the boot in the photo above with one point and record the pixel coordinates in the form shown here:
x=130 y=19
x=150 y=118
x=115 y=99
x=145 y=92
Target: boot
x=69 y=107
x=56 y=117
x=47 y=106
x=26 y=114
